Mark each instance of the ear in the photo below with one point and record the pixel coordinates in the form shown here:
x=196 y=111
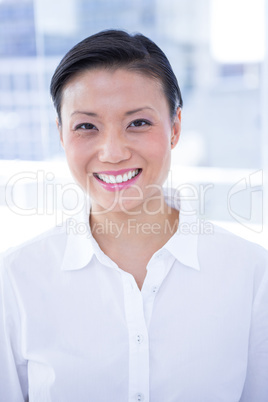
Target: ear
x=59 y=127
x=176 y=128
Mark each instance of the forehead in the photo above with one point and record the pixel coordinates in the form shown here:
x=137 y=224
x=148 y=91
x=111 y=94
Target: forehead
x=115 y=87
x=113 y=93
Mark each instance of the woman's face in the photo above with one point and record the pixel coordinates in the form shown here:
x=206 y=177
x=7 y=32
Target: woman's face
x=117 y=132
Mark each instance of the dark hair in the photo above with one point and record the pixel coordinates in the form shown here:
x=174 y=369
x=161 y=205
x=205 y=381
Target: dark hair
x=115 y=49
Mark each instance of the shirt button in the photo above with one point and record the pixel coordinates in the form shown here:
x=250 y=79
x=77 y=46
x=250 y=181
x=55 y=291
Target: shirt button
x=154 y=289
x=139 y=397
x=139 y=339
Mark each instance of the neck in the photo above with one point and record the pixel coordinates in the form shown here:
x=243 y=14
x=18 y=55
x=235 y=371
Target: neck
x=130 y=239
x=156 y=223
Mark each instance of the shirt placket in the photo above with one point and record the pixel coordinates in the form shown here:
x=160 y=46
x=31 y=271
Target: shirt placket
x=138 y=310
x=157 y=270
x=138 y=341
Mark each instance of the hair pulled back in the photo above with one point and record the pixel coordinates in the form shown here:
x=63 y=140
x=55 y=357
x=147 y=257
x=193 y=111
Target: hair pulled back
x=117 y=49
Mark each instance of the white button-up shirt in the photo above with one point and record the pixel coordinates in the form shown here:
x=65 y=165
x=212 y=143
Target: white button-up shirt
x=76 y=327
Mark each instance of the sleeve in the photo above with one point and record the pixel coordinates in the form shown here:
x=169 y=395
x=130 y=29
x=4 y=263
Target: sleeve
x=256 y=384
x=13 y=367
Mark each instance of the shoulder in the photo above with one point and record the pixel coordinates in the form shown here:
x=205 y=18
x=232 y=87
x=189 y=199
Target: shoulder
x=233 y=255
x=37 y=252
x=228 y=243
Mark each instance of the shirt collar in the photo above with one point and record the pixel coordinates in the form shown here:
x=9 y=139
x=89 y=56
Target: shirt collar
x=184 y=247
x=79 y=248
x=81 y=245
x=184 y=244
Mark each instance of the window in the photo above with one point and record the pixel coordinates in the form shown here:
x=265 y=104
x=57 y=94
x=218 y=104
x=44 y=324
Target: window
x=224 y=139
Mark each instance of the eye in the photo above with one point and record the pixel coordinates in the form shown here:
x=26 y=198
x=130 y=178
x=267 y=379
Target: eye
x=86 y=126
x=140 y=123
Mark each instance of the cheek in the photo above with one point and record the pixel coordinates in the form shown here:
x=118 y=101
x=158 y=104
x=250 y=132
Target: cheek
x=160 y=147
x=75 y=150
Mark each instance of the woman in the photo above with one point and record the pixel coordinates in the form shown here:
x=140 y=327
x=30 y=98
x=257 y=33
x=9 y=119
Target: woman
x=135 y=308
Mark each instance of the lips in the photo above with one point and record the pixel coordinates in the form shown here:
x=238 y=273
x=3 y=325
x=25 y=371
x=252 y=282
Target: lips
x=119 y=180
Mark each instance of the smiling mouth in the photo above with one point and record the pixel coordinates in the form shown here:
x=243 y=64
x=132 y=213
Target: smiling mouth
x=120 y=178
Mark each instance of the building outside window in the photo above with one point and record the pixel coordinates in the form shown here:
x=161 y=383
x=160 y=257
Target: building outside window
x=223 y=147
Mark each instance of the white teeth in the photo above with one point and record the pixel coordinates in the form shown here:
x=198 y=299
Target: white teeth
x=119 y=179
x=110 y=179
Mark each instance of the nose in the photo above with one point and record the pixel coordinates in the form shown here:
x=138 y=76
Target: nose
x=114 y=149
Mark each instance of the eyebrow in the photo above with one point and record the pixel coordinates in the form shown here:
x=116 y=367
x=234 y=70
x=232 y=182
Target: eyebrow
x=92 y=114
x=138 y=110
x=87 y=113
